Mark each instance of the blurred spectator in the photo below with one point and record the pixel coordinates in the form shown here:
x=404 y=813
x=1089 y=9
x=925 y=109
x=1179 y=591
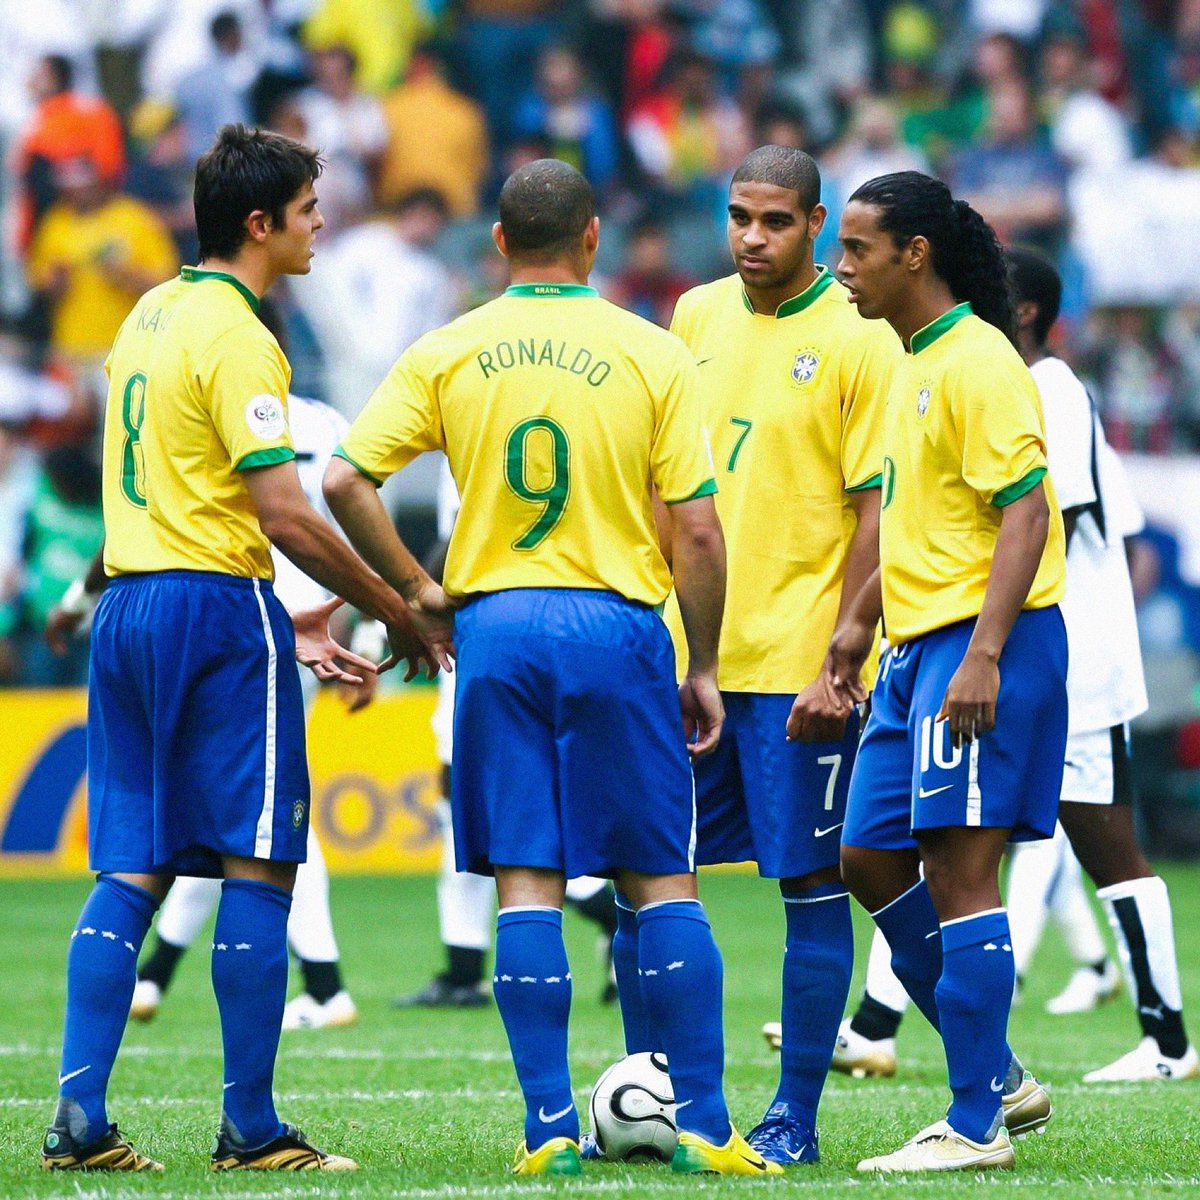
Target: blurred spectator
x=437 y=137
x=577 y=124
x=161 y=170
x=216 y=92
x=687 y=137
x=500 y=41
x=737 y=36
x=63 y=529
x=379 y=33
x=1013 y=177
x=1133 y=370
x=872 y=147
x=183 y=41
x=648 y=284
x=94 y=254
x=347 y=126
x=64 y=125
x=376 y=290
x=1086 y=130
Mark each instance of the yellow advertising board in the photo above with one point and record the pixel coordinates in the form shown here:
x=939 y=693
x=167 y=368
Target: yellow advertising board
x=375 y=782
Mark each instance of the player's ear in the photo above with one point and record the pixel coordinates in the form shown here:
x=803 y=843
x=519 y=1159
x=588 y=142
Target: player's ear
x=916 y=253
x=591 y=235
x=816 y=221
x=259 y=224
x=499 y=239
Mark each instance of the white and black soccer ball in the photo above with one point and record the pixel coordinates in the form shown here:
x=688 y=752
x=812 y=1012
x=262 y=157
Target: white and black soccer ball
x=633 y=1109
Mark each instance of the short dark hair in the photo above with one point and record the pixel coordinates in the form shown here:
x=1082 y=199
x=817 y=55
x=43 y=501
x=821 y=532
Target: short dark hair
x=421 y=197
x=224 y=26
x=247 y=169
x=1034 y=278
x=545 y=206
x=785 y=167
x=62 y=69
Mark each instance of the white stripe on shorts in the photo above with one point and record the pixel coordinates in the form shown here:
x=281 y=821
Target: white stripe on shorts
x=692 y=835
x=974 y=798
x=264 y=833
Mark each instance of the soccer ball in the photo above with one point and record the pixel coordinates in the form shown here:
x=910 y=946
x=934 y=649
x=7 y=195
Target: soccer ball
x=633 y=1109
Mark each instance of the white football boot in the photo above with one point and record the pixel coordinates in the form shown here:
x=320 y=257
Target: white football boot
x=306 y=1013
x=1086 y=990
x=940 y=1148
x=1144 y=1062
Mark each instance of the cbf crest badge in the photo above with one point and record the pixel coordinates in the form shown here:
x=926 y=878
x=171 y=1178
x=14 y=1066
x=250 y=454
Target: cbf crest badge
x=923 y=398
x=297 y=814
x=805 y=366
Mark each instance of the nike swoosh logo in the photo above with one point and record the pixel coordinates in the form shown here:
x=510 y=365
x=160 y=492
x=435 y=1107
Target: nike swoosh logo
x=227 y=1086
x=758 y=1166
x=823 y=832
x=701 y=361
x=549 y=1118
x=996 y=1087
x=794 y=1156
x=71 y=1074
x=934 y=791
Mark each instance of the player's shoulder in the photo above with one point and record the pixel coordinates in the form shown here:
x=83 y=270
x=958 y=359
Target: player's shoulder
x=715 y=296
x=640 y=335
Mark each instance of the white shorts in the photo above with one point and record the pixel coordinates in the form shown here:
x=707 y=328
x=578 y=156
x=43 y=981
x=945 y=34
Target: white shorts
x=1097 y=767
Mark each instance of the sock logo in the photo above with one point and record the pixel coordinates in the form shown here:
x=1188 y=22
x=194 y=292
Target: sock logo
x=549 y=1118
x=996 y=1087
x=71 y=1074
x=1156 y=1012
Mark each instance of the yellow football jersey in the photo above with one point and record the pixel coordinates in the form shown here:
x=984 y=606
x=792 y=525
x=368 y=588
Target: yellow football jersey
x=197 y=393
x=556 y=410
x=964 y=435
x=794 y=407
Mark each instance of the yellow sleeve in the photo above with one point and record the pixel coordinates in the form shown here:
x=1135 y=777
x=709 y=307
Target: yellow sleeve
x=400 y=421
x=681 y=463
x=46 y=250
x=680 y=325
x=244 y=381
x=998 y=414
x=866 y=377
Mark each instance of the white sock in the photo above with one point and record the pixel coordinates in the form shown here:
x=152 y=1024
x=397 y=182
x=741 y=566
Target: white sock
x=1139 y=912
x=882 y=984
x=465 y=901
x=310 y=923
x=1074 y=915
x=189 y=903
x=1032 y=871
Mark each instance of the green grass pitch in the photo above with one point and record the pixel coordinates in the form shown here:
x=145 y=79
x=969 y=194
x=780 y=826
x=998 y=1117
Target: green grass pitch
x=428 y=1103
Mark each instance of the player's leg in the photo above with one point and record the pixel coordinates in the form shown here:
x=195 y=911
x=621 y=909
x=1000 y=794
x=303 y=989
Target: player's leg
x=324 y=1003
x=595 y=900
x=1139 y=913
x=866 y=1042
x=188 y=905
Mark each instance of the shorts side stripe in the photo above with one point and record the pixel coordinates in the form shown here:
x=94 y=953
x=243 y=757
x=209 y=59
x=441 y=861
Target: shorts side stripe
x=264 y=832
x=691 y=851
x=974 y=797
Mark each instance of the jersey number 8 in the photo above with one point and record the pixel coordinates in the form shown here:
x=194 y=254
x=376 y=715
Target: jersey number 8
x=553 y=497
x=133 y=412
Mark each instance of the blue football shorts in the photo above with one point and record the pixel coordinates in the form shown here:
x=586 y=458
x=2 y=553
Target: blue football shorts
x=763 y=799
x=909 y=777
x=195 y=726
x=569 y=749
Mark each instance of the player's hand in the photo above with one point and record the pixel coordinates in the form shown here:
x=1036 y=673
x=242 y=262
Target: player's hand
x=970 y=703
x=61 y=626
x=703 y=713
x=427 y=639
x=848 y=650
x=317 y=650
x=356 y=696
x=819 y=713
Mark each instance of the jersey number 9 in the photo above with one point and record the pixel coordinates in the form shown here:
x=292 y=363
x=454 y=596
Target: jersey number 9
x=553 y=496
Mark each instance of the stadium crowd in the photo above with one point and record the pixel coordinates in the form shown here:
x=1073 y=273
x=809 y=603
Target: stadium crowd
x=1071 y=125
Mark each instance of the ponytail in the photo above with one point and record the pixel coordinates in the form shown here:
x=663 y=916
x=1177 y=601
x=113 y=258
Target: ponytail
x=964 y=249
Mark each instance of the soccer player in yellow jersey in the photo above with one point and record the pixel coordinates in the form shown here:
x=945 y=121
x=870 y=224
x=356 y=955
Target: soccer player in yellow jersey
x=792 y=382
x=964 y=747
x=196 y=760
x=559 y=413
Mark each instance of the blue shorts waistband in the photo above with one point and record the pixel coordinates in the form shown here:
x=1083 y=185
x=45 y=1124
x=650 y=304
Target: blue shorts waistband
x=600 y=594
x=217 y=577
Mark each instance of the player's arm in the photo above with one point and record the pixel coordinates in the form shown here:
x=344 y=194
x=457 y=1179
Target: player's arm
x=292 y=524
x=819 y=713
x=68 y=616
x=698 y=554
x=970 y=703
x=354 y=501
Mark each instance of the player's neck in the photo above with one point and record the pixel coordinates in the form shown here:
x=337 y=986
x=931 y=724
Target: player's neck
x=522 y=273
x=923 y=307
x=254 y=275
x=766 y=300
x=1029 y=349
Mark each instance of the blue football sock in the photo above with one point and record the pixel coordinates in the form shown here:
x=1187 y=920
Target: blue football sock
x=249 y=977
x=818 y=960
x=532 y=988
x=682 y=979
x=101 y=973
x=639 y=1035
x=973 y=997
x=910 y=924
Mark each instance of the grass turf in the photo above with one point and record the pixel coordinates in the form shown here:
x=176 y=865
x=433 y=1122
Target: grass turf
x=427 y=1102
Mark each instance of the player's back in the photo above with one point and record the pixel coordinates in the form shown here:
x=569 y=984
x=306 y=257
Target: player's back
x=196 y=393
x=556 y=410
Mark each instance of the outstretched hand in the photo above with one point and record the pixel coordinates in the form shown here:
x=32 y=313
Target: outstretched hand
x=317 y=650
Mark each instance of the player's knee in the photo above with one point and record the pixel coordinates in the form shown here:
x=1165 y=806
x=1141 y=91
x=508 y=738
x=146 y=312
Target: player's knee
x=796 y=884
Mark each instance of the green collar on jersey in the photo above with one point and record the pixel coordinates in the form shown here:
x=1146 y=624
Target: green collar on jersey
x=195 y=275
x=934 y=330
x=543 y=291
x=799 y=303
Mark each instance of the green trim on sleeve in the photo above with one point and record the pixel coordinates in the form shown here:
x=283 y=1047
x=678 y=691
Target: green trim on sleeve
x=1015 y=491
x=707 y=488
x=876 y=481
x=340 y=453
x=265 y=458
